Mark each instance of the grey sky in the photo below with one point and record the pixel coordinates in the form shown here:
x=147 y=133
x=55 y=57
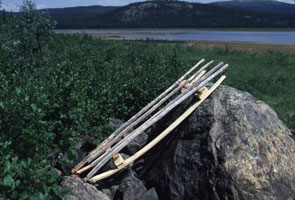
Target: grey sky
x=13 y=4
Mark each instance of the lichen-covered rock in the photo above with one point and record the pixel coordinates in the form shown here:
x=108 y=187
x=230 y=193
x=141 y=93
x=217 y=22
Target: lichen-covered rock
x=81 y=190
x=232 y=147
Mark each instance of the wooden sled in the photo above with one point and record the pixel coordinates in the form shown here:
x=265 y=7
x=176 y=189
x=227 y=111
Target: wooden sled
x=133 y=121
x=203 y=93
x=110 y=148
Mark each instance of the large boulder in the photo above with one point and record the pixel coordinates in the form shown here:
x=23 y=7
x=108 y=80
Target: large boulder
x=232 y=147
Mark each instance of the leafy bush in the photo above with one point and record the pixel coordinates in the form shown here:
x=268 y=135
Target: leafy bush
x=27 y=36
x=26 y=138
x=29 y=178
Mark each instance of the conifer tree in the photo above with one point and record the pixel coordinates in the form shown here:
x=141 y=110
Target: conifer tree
x=4 y=20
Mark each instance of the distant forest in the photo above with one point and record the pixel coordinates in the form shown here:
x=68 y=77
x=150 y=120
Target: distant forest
x=168 y=14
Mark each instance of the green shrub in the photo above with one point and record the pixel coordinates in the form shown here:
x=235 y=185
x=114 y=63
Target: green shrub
x=29 y=178
x=26 y=37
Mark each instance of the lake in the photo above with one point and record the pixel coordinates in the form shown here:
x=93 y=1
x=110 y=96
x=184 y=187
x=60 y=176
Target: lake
x=234 y=36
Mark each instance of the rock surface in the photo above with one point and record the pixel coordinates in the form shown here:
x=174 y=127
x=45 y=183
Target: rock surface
x=81 y=190
x=232 y=147
x=131 y=188
x=136 y=144
x=149 y=195
x=111 y=192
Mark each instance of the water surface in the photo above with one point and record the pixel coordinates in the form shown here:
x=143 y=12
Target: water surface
x=233 y=36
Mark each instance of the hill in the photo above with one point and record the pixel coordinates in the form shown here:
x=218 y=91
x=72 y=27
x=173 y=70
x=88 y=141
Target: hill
x=72 y=16
x=259 y=5
x=167 y=14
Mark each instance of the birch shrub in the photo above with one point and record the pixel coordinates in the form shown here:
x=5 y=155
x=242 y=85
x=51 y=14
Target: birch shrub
x=26 y=37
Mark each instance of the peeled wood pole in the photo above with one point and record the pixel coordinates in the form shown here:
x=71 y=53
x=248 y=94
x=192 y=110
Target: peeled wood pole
x=142 y=117
x=106 y=148
x=210 y=77
x=200 y=70
x=105 y=154
x=159 y=137
x=121 y=141
x=132 y=119
x=184 y=96
x=198 y=77
x=196 y=83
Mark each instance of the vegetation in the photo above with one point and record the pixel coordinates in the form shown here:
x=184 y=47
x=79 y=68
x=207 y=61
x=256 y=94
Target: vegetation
x=25 y=172
x=58 y=89
x=260 y=6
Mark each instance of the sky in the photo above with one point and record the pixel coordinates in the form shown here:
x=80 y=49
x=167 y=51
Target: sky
x=12 y=5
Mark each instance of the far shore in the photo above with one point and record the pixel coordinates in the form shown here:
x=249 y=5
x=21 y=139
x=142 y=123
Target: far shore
x=255 y=47
x=191 y=29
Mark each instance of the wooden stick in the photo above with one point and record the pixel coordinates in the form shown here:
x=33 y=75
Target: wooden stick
x=214 y=75
x=141 y=118
x=198 y=77
x=132 y=119
x=121 y=141
x=166 y=110
x=98 y=153
x=159 y=137
x=195 y=84
x=200 y=70
x=193 y=81
x=106 y=156
x=212 y=71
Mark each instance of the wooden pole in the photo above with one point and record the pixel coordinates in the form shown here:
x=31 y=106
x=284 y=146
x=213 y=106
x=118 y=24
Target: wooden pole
x=102 y=153
x=168 y=130
x=195 y=84
x=194 y=80
x=198 y=77
x=132 y=119
x=200 y=70
x=166 y=110
x=141 y=118
x=106 y=154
